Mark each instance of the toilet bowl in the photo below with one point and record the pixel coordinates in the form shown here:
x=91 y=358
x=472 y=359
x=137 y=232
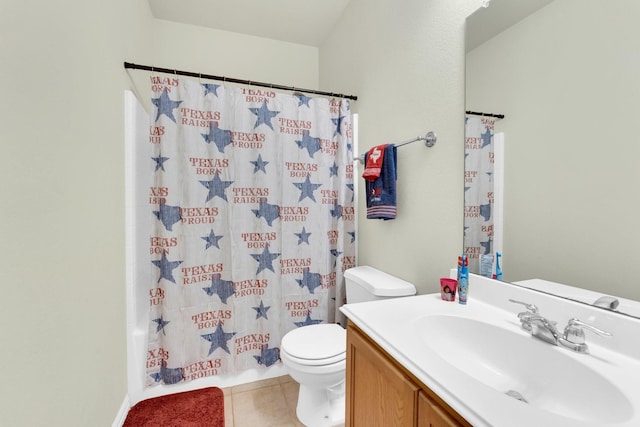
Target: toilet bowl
x=315 y=355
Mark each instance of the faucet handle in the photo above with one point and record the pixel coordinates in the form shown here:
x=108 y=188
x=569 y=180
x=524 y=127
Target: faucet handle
x=574 y=332
x=573 y=336
x=525 y=316
x=531 y=307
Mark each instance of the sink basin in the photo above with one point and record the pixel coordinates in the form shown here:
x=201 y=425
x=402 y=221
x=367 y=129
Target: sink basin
x=525 y=368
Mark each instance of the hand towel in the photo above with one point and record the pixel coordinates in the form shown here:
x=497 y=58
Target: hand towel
x=381 y=193
x=373 y=163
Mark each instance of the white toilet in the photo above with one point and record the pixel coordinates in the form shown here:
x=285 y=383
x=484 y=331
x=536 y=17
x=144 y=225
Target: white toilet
x=315 y=355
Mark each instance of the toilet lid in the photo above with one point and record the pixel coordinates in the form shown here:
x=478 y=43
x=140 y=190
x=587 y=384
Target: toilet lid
x=316 y=342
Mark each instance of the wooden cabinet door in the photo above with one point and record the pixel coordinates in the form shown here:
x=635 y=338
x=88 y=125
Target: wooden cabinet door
x=378 y=393
x=431 y=414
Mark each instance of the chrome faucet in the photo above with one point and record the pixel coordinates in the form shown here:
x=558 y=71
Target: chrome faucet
x=542 y=328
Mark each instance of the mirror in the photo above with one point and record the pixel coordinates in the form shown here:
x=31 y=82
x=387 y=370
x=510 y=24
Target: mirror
x=566 y=75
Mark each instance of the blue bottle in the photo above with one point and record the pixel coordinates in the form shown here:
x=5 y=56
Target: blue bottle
x=498 y=268
x=463 y=280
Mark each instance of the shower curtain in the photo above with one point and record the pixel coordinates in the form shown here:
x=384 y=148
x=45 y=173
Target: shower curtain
x=253 y=223
x=478 y=189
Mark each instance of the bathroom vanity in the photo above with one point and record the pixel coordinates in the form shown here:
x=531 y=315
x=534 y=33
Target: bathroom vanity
x=421 y=361
x=381 y=392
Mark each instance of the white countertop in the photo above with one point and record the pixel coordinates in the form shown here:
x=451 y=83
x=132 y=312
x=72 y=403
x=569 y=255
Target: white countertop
x=392 y=324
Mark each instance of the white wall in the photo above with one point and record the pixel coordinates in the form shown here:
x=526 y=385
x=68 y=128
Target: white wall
x=62 y=203
x=567 y=80
x=223 y=53
x=406 y=64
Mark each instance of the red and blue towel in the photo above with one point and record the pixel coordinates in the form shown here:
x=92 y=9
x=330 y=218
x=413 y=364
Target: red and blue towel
x=380 y=176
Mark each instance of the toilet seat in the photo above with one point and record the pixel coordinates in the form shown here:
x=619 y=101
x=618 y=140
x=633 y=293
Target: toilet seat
x=315 y=345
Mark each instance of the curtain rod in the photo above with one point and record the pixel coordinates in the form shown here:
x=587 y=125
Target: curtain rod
x=233 y=80
x=479 y=113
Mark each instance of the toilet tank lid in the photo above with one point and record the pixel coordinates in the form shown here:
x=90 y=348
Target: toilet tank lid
x=378 y=282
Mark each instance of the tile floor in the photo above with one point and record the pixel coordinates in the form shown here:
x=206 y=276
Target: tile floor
x=267 y=403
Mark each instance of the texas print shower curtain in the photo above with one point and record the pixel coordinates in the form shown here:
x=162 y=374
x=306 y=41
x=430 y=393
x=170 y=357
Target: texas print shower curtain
x=253 y=223
x=478 y=189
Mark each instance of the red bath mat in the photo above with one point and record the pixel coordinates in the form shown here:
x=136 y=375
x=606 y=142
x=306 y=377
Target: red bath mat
x=197 y=408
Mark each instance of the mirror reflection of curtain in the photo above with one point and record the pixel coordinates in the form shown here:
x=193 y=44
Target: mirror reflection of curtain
x=254 y=224
x=478 y=189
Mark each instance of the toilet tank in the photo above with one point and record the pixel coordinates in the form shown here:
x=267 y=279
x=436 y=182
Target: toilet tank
x=366 y=283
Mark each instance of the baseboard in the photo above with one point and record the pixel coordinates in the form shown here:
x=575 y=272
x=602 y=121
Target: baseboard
x=122 y=413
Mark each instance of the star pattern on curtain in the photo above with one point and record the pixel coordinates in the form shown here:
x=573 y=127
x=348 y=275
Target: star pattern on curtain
x=251 y=220
x=216 y=187
x=264 y=115
x=165 y=105
x=161 y=324
x=212 y=240
x=218 y=339
x=306 y=189
x=160 y=162
x=210 y=88
x=265 y=259
x=303 y=236
x=166 y=268
x=259 y=165
x=261 y=310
